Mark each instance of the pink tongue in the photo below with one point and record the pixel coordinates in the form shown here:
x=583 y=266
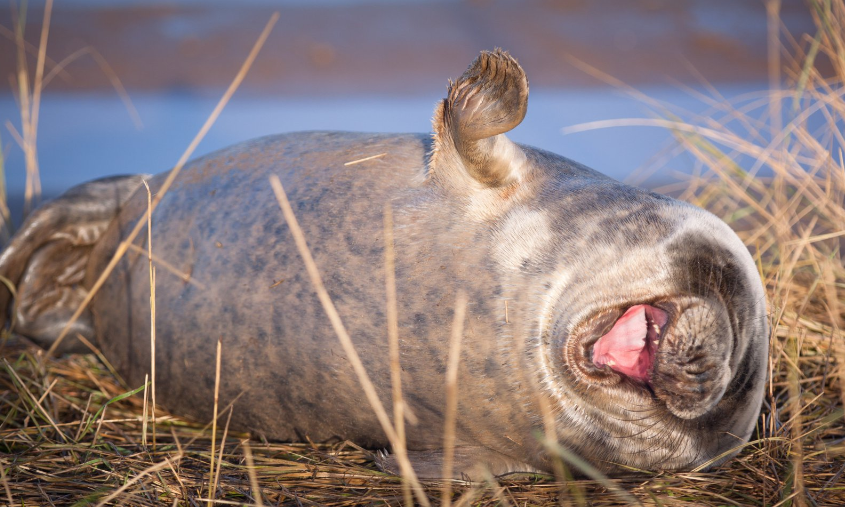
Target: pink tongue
x=625 y=348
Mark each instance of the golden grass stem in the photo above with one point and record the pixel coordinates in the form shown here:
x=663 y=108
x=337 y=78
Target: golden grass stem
x=591 y=472
x=828 y=270
x=152 y=309
x=47 y=391
x=497 y=489
x=393 y=344
x=452 y=396
x=33 y=51
x=99 y=427
x=145 y=412
x=214 y=419
x=110 y=74
x=220 y=452
x=253 y=477
x=556 y=450
x=365 y=159
x=97 y=352
x=171 y=177
x=726 y=139
x=6 y=226
x=85 y=415
x=150 y=470
x=37 y=87
x=773 y=39
x=796 y=447
x=158 y=261
x=30 y=161
x=550 y=434
x=16 y=136
x=6 y=482
x=34 y=400
x=469 y=496
x=345 y=341
x=173 y=470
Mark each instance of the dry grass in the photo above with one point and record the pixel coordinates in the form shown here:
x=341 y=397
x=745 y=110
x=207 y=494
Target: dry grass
x=71 y=433
x=28 y=97
x=96 y=447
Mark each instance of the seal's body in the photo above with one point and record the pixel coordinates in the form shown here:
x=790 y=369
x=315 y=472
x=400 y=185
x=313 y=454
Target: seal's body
x=636 y=320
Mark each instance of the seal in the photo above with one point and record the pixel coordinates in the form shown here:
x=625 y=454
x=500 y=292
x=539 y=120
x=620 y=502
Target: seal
x=637 y=321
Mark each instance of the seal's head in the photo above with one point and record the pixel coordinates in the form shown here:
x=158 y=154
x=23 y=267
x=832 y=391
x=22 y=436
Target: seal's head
x=648 y=324
x=661 y=353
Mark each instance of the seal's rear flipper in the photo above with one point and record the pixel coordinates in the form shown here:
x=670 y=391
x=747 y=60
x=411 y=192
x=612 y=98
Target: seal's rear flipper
x=472 y=463
x=47 y=258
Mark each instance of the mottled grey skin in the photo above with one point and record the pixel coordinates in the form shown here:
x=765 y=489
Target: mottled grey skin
x=550 y=253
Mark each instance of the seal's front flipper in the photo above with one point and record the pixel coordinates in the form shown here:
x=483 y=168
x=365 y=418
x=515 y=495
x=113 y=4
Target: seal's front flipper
x=47 y=258
x=489 y=99
x=472 y=463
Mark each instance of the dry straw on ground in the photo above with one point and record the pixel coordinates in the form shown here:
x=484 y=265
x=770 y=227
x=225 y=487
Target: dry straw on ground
x=72 y=434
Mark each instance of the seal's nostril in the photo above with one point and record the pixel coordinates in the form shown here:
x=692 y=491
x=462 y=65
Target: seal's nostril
x=691 y=366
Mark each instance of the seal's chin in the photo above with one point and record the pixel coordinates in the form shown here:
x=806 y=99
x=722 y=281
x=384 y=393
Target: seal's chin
x=630 y=345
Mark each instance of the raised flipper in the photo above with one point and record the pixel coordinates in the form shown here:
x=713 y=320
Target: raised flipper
x=47 y=258
x=473 y=463
x=489 y=99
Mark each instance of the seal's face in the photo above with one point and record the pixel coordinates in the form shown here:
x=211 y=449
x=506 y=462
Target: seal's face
x=657 y=343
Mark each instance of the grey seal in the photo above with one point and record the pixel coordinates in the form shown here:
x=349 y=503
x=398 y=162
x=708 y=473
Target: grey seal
x=638 y=319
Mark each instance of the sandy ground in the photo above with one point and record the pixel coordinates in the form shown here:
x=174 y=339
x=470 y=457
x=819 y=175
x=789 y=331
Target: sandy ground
x=407 y=47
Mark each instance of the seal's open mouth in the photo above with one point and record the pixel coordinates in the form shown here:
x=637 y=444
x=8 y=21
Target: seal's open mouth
x=629 y=346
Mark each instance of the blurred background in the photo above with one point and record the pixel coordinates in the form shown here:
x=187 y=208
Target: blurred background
x=369 y=65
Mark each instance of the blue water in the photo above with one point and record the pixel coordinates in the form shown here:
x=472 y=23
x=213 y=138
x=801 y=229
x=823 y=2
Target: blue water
x=88 y=136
